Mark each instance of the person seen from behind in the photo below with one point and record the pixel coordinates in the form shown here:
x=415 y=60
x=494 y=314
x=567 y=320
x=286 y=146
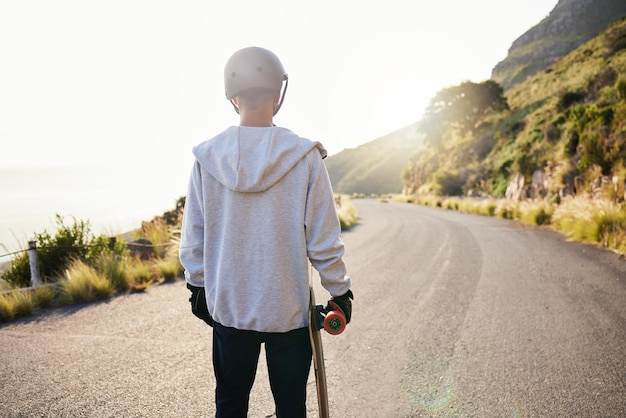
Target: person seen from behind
x=259 y=209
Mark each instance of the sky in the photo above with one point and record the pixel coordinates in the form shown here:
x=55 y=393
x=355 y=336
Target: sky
x=129 y=87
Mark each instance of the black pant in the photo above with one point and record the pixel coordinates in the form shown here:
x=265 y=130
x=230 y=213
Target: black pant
x=235 y=358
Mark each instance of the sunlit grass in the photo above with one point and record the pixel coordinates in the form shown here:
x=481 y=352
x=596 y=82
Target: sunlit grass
x=172 y=259
x=537 y=212
x=157 y=232
x=597 y=221
x=22 y=303
x=99 y=275
x=102 y=278
x=347 y=213
x=15 y=304
x=6 y=308
x=83 y=283
x=44 y=296
x=400 y=198
x=486 y=207
x=507 y=209
x=18 y=303
x=429 y=200
x=451 y=203
x=168 y=269
x=140 y=274
x=113 y=267
x=592 y=220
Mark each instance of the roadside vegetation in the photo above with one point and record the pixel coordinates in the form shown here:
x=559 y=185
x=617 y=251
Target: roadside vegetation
x=549 y=151
x=558 y=133
x=584 y=219
x=346 y=211
x=79 y=267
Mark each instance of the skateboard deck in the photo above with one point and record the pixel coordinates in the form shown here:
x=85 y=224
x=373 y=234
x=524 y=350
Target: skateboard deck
x=318 y=356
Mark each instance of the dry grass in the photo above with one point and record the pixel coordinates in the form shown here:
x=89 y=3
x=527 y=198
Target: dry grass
x=140 y=274
x=168 y=269
x=15 y=304
x=83 y=283
x=158 y=232
x=113 y=267
x=536 y=212
x=347 y=213
x=44 y=296
x=598 y=221
x=6 y=308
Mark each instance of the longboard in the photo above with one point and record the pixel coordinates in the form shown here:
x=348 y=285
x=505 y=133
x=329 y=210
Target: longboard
x=318 y=356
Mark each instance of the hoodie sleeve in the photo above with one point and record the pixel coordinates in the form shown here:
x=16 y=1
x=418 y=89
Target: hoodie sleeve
x=191 y=250
x=324 y=246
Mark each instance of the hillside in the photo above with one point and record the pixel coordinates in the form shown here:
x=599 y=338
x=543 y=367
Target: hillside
x=378 y=166
x=374 y=167
x=569 y=24
x=565 y=133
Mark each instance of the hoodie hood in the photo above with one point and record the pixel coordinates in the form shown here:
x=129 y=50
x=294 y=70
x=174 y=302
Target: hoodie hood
x=253 y=159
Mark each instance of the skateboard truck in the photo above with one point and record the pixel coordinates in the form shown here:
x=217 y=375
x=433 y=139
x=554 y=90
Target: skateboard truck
x=333 y=321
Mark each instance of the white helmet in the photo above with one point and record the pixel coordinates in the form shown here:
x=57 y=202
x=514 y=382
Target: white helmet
x=254 y=67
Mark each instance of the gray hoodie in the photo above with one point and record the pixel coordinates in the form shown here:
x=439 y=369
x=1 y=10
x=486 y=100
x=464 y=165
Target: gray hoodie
x=258 y=208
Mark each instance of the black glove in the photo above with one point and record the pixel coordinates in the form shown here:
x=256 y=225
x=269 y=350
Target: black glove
x=198 y=304
x=343 y=303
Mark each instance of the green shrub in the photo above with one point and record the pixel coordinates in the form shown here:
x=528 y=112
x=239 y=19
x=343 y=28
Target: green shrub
x=449 y=183
x=55 y=252
x=499 y=185
x=606 y=77
x=570 y=98
x=621 y=87
x=19 y=273
x=571 y=147
x=552 y=132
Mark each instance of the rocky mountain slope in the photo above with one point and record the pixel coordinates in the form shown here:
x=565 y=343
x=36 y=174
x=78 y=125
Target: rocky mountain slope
x=569 y=24
x=377 y=166
x=564 y=133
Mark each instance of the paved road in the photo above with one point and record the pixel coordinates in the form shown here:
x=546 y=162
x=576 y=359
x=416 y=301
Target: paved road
x=455 y=316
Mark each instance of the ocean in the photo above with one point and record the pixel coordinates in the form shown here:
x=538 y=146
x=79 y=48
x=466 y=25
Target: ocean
x=114 y=201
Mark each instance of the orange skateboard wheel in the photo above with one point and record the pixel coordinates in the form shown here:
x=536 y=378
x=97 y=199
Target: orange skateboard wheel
x=335 y=322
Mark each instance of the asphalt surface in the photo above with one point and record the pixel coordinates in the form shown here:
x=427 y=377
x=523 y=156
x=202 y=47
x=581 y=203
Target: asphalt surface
x=454 y=316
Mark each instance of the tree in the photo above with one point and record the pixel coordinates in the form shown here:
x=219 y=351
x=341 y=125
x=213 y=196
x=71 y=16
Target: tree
x=461 y=107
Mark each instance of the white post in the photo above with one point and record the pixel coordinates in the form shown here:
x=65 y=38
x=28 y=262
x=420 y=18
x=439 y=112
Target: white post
x=35 y=280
